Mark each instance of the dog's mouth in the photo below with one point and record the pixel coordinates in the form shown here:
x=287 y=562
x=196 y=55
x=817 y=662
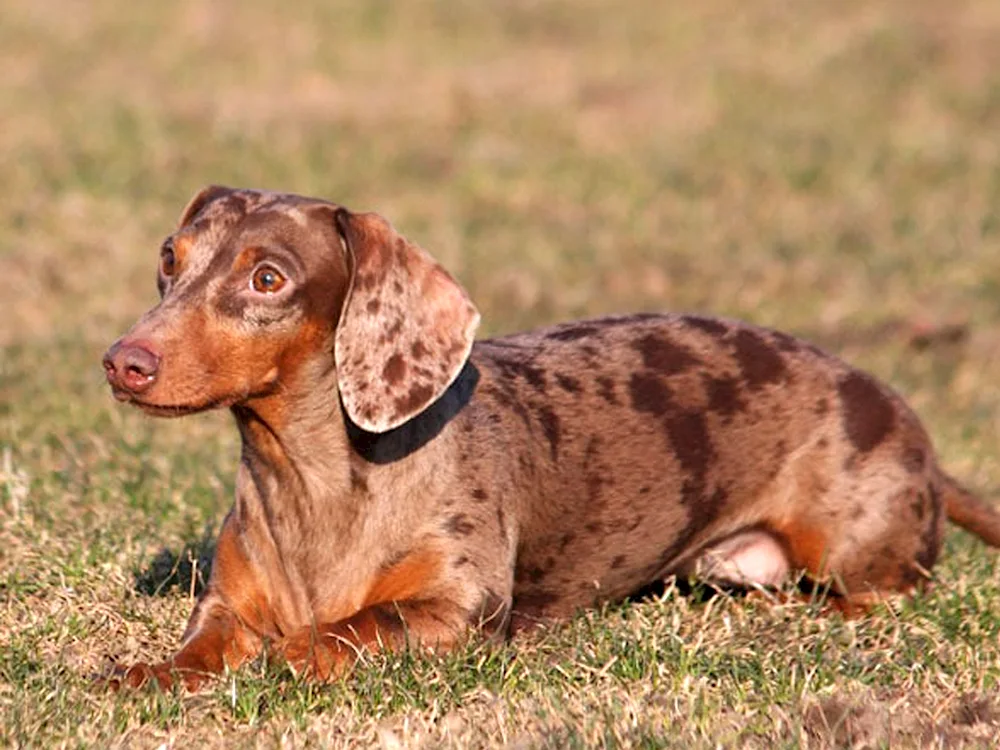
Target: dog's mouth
x=169 y=410
x=183 y=409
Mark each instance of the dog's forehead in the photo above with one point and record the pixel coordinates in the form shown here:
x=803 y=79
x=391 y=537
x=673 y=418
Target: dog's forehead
x=240 y=205
x=254 y=215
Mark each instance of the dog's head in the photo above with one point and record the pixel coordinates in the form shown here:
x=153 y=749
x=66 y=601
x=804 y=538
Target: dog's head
x=259 y=291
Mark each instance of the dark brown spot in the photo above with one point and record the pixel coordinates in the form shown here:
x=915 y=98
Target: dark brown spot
x=565 y=540
x=724 y=396
x=571 y=333
x=395 y=369
x=594 y=527
x=637 y=520
x=822 y=407
x=780 y=451
x=595 y=482
x=662 y=355
x=567 y=383
x=550 y=426
x=418 y=396
x=606 y=389
x=784 y=342
x=644 y=490
x=535 y=376
x=702 y=514
x=479 y=493
x=460 y=525
x=708 y=325
x=868 y=414
x=617 y=561
x=373 y=305
x=593 y=450
x=687 y=433
x=418 y=350
x=760 y=363
x=397 y=287
x=394 y=329
x=649 y=393
x=358 y=481
x=463 y=560
x=689 y=438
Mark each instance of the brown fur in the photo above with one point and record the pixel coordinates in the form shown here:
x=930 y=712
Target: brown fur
x=400 y=484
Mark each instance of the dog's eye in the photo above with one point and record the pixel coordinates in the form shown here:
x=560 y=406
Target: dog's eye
x=267 y=279
x=167 y=261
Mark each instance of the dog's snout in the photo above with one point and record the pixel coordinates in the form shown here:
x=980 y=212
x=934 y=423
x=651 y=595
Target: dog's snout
x=131 y=366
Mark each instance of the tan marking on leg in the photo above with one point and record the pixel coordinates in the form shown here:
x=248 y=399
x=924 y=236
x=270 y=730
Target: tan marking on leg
x=328 y=651
x=414 y=574
x=808 y=547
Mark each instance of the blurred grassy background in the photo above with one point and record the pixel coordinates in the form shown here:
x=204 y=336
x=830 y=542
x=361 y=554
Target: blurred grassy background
x=832 y=169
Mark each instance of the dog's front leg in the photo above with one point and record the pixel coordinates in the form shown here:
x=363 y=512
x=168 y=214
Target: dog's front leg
x=225 y=628
x=218 y=639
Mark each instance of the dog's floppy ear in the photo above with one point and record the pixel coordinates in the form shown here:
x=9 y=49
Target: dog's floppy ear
x=406 y=328
x=205 y=196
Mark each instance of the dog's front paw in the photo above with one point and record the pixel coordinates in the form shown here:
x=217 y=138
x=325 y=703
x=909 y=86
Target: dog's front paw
x=313 y=655
x=164 y=675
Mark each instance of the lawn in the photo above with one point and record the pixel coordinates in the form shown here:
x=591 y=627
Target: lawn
x=832 y=169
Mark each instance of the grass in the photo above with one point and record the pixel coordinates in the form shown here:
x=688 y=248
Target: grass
x=832 y=169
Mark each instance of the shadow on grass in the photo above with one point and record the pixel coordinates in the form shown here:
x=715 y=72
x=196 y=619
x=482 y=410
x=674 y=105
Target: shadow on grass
x=698 y=591
x=186 y=570
x=701 y=592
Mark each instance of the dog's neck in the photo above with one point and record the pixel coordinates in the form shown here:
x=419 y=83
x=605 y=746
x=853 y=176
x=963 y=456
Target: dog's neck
x=294 y=439
x=302 y=451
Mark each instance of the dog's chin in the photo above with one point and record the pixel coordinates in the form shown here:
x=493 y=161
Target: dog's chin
x=175 y=410
x=171 y=410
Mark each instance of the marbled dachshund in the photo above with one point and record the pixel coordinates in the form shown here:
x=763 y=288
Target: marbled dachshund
x=401 y=484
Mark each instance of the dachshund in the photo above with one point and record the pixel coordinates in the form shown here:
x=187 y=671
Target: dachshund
x=401 y=484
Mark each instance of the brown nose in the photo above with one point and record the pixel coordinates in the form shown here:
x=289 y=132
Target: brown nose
x=131 y=366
